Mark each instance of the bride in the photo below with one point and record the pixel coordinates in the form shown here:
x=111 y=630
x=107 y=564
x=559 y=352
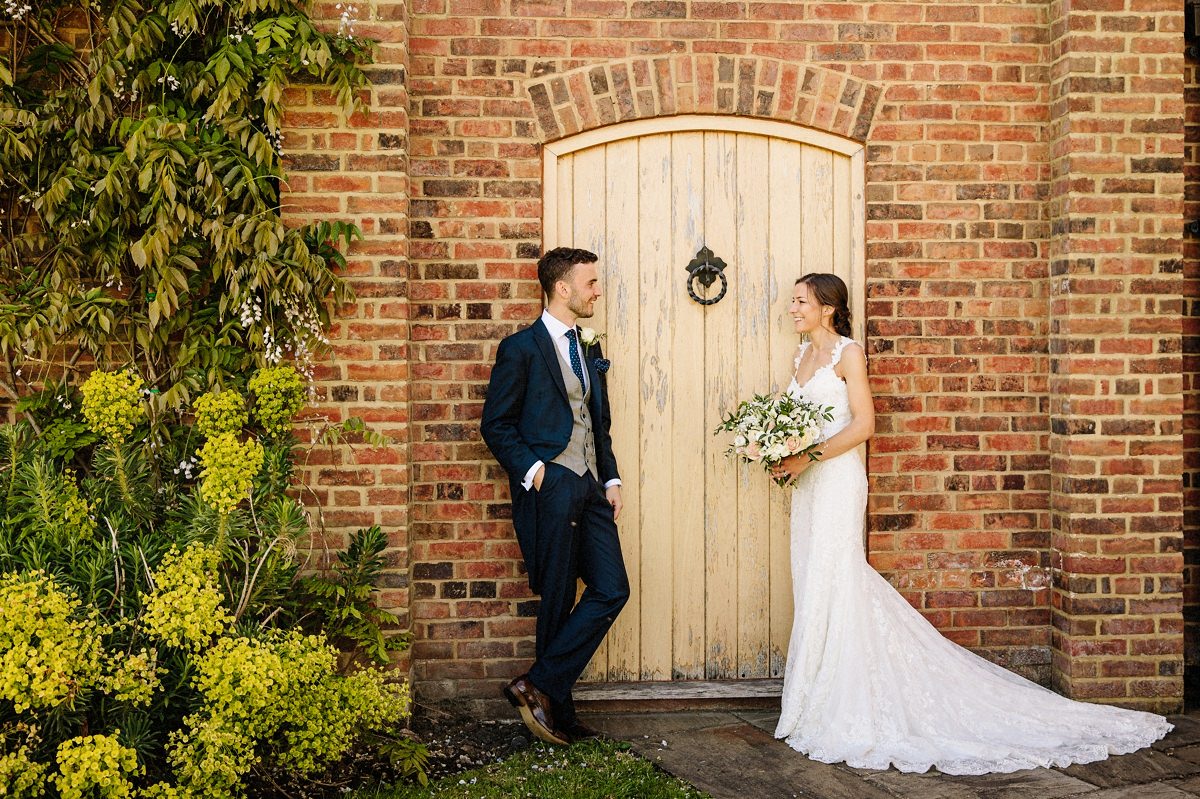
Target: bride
x=869 y=681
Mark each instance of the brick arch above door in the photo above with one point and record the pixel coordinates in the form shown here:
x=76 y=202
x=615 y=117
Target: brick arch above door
x=642 y=87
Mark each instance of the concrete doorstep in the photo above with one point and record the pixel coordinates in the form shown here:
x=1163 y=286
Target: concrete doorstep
x=731 y=754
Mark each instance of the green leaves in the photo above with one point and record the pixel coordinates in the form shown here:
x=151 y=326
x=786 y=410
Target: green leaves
x=342 y=598
x=141 y=195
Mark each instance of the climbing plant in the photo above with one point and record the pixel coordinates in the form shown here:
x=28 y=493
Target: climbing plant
x=140 y=181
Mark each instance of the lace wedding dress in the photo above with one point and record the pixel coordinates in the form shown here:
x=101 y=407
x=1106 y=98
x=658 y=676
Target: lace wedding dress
x=870 y=682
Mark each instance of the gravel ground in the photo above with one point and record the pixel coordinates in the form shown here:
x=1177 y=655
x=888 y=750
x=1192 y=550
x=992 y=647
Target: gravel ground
x=458 y=744
x=455 y=744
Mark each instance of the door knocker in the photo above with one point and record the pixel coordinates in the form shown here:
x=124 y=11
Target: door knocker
x=707 y=268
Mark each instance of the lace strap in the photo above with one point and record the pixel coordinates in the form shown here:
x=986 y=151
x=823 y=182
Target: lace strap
x=799 y=354
x=836 y=357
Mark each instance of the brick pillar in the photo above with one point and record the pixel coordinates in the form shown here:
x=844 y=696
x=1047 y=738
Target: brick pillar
x=1191 y=384
x=356 y=169
x=1115 y=342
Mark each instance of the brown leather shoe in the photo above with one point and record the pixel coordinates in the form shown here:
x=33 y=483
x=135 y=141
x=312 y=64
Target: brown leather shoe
x=534 y=707
x=579 y=730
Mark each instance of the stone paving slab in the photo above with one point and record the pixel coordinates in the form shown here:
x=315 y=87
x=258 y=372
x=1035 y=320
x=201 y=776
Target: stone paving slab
x=1041 y=783
x=734 y=760
x=1186 y=733
x=1156 y=790
x=1136 y=768
x=733 y=754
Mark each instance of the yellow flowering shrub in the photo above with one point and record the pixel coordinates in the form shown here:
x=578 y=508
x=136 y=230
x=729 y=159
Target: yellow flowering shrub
x=220 y=412
x=210 y=759
x=283 y=692
x=95 y=765
x=48 y=650
x=228 y=469
x=133 y=678
x=279 y=393
x=76 y=511
x=21 y=777
x=112 y=403
x=362 y=701
x=185 y=609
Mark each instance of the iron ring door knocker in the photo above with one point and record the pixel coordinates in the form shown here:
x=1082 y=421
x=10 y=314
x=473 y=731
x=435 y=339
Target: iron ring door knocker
x=707 y=268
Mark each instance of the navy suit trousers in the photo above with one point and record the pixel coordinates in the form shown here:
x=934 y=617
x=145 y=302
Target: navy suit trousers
x=577 y=539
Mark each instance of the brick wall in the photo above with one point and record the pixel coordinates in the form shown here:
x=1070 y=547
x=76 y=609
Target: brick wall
x=1191 y=374
x=1116 y=392
x=356 y=168
x=957 y=180
x=1011 y=464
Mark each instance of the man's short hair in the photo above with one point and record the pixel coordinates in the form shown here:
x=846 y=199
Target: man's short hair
x=558 y=263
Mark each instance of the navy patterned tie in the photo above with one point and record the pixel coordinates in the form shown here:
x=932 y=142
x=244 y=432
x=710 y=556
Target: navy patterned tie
x=576 y=364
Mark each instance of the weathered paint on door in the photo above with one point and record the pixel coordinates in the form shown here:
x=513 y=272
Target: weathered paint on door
x=705 y=540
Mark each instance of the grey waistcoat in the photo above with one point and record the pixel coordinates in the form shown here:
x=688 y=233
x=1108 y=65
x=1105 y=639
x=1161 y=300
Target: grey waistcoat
x=580 y=454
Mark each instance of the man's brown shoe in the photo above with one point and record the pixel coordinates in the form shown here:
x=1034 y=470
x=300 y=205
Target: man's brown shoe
x=534 y=707
x=578 y=730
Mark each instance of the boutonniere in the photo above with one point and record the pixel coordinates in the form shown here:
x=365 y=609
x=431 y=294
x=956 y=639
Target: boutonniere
x=602 y=364
x=589 y=336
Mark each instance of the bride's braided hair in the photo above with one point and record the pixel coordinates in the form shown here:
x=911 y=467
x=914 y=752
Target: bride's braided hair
x=829 y=289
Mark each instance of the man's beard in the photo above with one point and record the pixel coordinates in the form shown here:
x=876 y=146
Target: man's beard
x=581 y=309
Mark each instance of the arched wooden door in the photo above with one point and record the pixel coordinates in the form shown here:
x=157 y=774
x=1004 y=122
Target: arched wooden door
x=705 y=540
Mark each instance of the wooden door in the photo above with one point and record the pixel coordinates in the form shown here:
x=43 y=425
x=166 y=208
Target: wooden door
x=705 y=540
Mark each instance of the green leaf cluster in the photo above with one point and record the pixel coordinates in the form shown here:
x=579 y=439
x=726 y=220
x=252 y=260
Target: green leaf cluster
x=140 y=186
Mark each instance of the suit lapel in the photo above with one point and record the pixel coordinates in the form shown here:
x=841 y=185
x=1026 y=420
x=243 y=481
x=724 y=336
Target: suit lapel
x=542 y=336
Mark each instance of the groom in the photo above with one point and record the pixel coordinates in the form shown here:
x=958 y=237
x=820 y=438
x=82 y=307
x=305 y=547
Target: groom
x=546 y=420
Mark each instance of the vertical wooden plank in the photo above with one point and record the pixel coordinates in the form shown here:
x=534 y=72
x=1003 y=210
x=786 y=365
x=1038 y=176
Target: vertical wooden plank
x=858 y=245
x=550 y=184
x=582 y=211
x=858 y=272
x=786 y=246
x=559 y=205
x=693 y=433
x=721 y=395
x=816 y=195
x=754 y=367
x=657 y=309
x=623 y=349
x=846 y=197
x=841 y=219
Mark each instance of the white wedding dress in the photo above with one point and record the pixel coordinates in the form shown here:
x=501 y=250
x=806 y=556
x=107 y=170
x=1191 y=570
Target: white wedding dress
x=870 y=682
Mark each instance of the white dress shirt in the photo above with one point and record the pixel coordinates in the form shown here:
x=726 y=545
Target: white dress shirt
x=558 y=334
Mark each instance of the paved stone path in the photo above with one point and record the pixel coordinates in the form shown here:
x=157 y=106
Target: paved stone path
x=732 y=754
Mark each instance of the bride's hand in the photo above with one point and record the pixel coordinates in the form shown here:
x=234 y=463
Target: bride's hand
x=790 y=468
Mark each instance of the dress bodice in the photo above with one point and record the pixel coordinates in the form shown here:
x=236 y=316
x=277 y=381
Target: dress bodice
x=825 y=388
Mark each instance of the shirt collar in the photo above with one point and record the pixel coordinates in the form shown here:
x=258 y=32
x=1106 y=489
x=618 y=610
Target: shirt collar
x=556 y=328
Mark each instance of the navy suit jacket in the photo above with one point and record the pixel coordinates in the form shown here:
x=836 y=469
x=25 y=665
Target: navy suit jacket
x=527 y=417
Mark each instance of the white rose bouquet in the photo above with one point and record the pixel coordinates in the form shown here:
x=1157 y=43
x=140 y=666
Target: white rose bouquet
x=771 y=427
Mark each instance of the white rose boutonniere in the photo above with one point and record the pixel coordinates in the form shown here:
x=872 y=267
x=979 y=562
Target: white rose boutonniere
x=589 y=337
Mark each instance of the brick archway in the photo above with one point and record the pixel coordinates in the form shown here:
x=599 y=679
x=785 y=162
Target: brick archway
x=653 y=86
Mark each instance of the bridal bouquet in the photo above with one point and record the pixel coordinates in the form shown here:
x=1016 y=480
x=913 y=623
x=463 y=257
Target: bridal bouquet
x=771 y=427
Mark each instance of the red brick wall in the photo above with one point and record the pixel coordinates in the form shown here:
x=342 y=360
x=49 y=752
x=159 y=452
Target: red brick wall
x=356 y=169
x=1008 y=456
x=1115 y=343
x=957 y=179
x=1191 y=383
